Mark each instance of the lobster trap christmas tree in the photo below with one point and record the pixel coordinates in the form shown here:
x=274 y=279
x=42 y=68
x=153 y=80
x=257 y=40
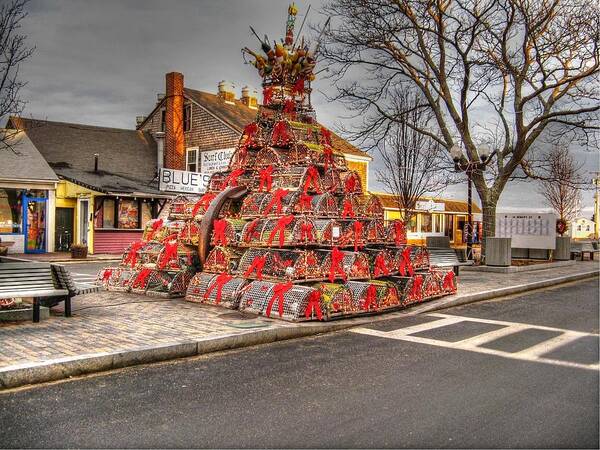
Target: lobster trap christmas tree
x=287 y=230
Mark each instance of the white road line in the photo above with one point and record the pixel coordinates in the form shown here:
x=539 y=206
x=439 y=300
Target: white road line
x=551 y=344
x=484 y=338
x=423 y=327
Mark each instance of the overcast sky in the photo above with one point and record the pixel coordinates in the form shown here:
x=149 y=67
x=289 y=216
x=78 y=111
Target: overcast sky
x=103 y=62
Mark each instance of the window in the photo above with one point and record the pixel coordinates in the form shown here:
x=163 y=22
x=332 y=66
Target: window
x=438 y=223
x=191 y=159
x=128 y=214
x=11 y=210
x=412 y=224
x=187 y=117
x=163 y=119
x=587 y=228
x=108 y=213
x=578 y=227
x=146 y=213
x=426 y=223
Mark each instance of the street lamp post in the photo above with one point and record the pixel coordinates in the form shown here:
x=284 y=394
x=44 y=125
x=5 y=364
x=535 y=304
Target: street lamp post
x=461 y=163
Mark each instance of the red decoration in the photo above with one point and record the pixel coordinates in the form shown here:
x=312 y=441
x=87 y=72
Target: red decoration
x=278 y=196
x=406 y=263
x=280 y=133
x=219 y=227
x=325 y=136
x=131 y=257
x=380 y=266
x=350 y=184
x=399 y=232
x=298 y=86
x=416 y=291
x=106 y=274
x=348 y=209
x=267 y=95
x=266 y=178
x=357 y=228
x=312 y=179
x=141 y=278
x=250 y=130
x=257 y=265
x=154 y=229
x=337 y=257
x=280 y=227
x=231 y=179
x=328 y=157
x=251 y=230
x=371 y=298
x=448 y=284
x=289 y=107
x=306 y=232
x=203 y=202
x=279 y=291
x=314 y=304
x=169 y=253
x=221 y=280
x=305 y=201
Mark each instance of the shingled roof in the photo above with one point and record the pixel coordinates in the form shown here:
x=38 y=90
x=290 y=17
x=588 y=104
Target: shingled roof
x=127 y=158
x=21 y=160
x=238 y=115
x=451 y=206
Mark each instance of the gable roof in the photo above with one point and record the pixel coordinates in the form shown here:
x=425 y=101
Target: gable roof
x=21 y=160
x=127 y=158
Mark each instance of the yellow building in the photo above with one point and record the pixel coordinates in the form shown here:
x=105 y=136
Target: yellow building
x=581 y=228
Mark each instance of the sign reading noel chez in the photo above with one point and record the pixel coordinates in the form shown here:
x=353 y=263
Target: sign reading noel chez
x=429 y=205
x=215 y=160
x=171 y=180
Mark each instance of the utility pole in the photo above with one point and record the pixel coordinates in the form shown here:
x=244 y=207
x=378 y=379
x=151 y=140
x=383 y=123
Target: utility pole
x=596 y=181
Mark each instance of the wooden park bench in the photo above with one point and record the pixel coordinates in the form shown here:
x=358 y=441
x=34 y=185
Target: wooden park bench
x=446 y=257
x=67 y=282
x=579 y=250
x=32 y=279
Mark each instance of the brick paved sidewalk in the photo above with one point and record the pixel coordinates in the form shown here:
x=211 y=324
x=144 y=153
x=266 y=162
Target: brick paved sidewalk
x=109 y=322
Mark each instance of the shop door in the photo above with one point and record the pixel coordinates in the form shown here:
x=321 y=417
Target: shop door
x=84 y=225
x=35 y=224
x=64 y=229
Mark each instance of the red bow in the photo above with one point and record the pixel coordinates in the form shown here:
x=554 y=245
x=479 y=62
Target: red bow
x=305 y=201
x=171 y=237
x=257 y=265
x=282 y=223
x=132 y=254
x=325 y=136
x=154 y=228
x=169 y=253
x=399 y=232
x=380 y=266
x=371 y=297
x=348 y=209
x=314 y=304
x=231 y=179
x=221 y=280
x=279 y=291
x=350 y=184
x=203 y=202
x=298 y=86
x=306 y=232
x=328 y=157
x=267 y=95
x=219 y=228
x=141 y=278
x=251 y=232
x=278 y=196
x=266 y=179
x=337 y=257
x=280 y=133
x=250 y=129
x=406 y=263
x=417 y=286
x=312 y=178
x=289 y=107
x=106 y=275
x=358 y=228
x=448 y=284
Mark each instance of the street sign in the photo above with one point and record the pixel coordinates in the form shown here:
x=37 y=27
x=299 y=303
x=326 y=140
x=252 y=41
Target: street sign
x=212 y=161
x=429 y=205
x=527 y=230
x=181 y=181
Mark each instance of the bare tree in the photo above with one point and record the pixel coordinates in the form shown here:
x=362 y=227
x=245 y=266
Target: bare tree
x=412 y=164
x=13 y=51
x=560 y=186
x=515 y=65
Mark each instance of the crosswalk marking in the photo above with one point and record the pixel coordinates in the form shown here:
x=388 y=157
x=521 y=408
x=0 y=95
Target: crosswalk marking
x=533 y=353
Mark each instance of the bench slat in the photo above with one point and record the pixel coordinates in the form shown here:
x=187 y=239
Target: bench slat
x=36 y=293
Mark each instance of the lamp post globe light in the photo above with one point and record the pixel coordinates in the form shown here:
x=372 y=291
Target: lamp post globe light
x=485 y=154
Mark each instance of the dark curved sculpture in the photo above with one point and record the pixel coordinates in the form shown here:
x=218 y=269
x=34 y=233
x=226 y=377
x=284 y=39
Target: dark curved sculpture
x=212 y=213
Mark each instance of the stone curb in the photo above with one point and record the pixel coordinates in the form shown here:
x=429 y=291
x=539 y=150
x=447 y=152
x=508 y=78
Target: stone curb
x=57 y=369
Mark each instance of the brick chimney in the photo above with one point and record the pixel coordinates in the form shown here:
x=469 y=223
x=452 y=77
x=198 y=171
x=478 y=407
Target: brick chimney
x=174 y=141
x=249 y=97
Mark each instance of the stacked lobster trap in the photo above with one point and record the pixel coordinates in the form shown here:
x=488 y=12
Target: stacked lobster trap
x=305 y=241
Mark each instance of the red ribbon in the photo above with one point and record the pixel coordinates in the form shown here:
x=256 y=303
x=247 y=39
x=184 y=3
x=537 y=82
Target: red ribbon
x=298 y=87
x=171 y=237
x=154 y=228
x=448 y=284
x=169 y=253
x=325 y=136
x=279 y=291
x=406 y=263
x=282 y=223
x=289 y=107
x=280 y=132
x=399 y=232
x=250 y=233
x=350 y=184
x=132 y=254
x=306 y=232
x=305 y=201
x=415 y=292
x=371 y=297
x=106 y=275
x=231 y=179
x=141 y=278
x=337 y=257
x=267 y=95
x=219 y=228
x=312 y=179
x=251 y=129
x=203 y=202
x=257 y=265
x=380 y=266
x=328 y=157
x=278 y=196
x=221 y=280
x=266 y=179
x=314 y=304
x=348 y=209
x=357 y=228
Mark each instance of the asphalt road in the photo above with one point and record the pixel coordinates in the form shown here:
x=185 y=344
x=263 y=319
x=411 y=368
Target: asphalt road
x=348 y=389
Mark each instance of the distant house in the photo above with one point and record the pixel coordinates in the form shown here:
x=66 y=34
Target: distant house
x=581 y=228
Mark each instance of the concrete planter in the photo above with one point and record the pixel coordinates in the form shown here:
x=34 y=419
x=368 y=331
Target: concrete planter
x=563 y=248
x=497 y=252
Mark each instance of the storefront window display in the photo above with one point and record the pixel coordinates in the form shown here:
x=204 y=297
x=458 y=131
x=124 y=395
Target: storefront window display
x=129 y=214
x=11 y=211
